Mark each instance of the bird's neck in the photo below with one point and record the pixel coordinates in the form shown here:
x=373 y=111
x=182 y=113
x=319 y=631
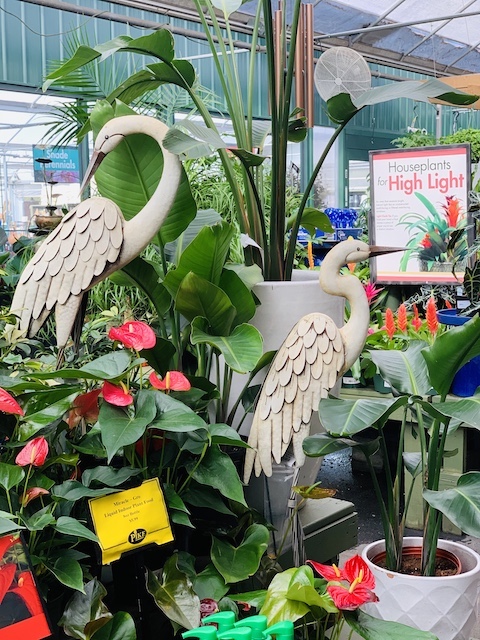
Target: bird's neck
x=354 y=332
x=140 y=230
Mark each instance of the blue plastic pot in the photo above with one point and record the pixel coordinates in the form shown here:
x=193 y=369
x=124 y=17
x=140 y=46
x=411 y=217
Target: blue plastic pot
x=467 y=379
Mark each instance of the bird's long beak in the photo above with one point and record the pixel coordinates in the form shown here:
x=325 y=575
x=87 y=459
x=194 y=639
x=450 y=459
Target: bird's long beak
x=379 y=251
x=95 y=162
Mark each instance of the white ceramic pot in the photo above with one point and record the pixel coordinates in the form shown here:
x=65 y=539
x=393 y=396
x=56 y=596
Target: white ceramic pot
x=445 y=606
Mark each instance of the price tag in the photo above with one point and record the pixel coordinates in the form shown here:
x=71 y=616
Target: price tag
x=130 y=519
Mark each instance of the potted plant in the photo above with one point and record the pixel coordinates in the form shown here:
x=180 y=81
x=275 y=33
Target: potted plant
x=50 y=219
x=414 y=375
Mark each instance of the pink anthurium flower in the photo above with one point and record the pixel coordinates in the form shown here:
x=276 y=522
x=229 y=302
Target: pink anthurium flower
x=32 y=493
x=173 y=381
x=33 y=453
x=8 y=404
x=134 y=335
x=116 y=395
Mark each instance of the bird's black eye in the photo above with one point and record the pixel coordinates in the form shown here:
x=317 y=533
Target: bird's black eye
x=107 y=137
x=358 y=248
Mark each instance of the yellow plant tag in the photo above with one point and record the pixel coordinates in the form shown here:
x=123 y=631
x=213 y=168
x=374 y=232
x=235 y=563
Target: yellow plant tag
x=130 y=519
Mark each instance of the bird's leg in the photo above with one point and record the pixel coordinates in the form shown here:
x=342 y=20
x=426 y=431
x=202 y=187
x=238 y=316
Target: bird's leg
x=60 y=357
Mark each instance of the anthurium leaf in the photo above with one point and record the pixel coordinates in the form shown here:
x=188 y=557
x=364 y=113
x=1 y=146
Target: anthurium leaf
x=241 y=350
x=226 y=435
x=39 y=520
x=349 y=417
x=174 y=501
x=461 y=504
x=72 y=527
x=239 y=563
x=205 y=497
x=175 y=596
x=107 y=367
x=68 y=571
x=210 y=584
x=198 y=297
x=41 y=419
x=372 y=628
x=83 y=608
x=253 y=598
x=406 y=371
x=119 y=428
x=277 y=607
x=302 y=589
x=6 y=525
x=68 y=459
x=120 y=627
x=218 y=471
x=205 y=256
x=175 y=416
x=450 y=352
x=108 y=476
x=179 y=517
x=10 y=475
x=73 y=490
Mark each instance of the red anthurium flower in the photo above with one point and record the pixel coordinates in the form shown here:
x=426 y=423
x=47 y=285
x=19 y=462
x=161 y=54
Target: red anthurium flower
x=32 y=493
x=173 y=381
x=431 y=316
x=350 y=598
x=7 y=542
x=33 y=453
x=8 y=404
x=27 y=591
x=116 y=395
x=134 y=335
x=389 y=323
x=371 y=291
x=327 y=571
x=402 y=318
x=7 y=573
x=84 y=406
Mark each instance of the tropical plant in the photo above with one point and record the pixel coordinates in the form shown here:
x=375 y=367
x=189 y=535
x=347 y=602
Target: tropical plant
x=434 y=237
x=420 y=378
x=321 y=608
x=266 y=228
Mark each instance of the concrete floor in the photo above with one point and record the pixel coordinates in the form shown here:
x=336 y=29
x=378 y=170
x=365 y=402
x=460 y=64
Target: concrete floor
x=355 y=486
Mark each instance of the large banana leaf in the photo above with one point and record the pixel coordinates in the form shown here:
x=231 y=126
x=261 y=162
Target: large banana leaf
x=450 y=352
x=406 y=371
x=466 y=410
x=349 y=417
x=461 y=504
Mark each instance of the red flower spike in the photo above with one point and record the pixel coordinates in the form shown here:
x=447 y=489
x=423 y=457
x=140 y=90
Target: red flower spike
x=8 y=404
x=431 y=316
x=84 y=406
x=27 y=591
x=116 y=395
x=134 y=335
x=173 y=381
x=32 y=493
x=452 y=211
x=416 y=322
x=329 y=572
x=426 y=243
x=389 y=323
x=7 y=573
x=33 y=453
x=402 y=318
x=371 y=291
x=7 y=542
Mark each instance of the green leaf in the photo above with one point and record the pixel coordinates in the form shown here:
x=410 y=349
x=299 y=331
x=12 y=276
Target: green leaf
x=349 y=417
x=226 y=435
x=41 y=419
x=372 y=628
x=174 y=595
x=313 y=219
x=247 y=158
x=108 y=475
x=321 y=444
x=6 y=526
x=10 y=475
x=120 y=627
x=302 y=589
x=205 y=497
x=210 y=584
x=218 y=471
x=72 y=527
x=406 y=371
x=83 y=608
x=461 y=504
x=239 y=294
x=239 y=563
x=82 y=56
x=68 y=571
x=180 y=72
x=241 y=350
x=466 y=410
x=227 y=6
x=119 y=428
x=198 y=297
x=144 y=274
x=72 y=490
x=450 y=352
x=40 y=519
x=108 y=367
x=277 y=607
x=175 y=416
x=253 y=598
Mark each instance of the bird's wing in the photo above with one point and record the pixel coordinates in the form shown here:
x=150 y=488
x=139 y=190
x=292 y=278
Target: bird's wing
x=72 y=258
x=304 y=370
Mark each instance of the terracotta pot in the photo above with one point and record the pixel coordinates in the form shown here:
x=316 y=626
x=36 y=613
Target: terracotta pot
x=445 y=606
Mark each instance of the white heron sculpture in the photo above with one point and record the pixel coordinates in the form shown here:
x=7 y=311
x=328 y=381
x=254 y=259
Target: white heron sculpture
x=93 y=240
x=307 y=365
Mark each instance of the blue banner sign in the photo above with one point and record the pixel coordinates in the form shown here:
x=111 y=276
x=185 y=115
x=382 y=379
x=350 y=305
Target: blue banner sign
x=56 y=164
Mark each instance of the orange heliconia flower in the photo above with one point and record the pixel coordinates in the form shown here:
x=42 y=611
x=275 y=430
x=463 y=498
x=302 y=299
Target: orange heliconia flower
x=390 y=323
x=402 y=318
x=431 y=316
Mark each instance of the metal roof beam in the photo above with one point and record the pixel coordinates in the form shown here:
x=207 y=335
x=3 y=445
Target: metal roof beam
x=380 y=18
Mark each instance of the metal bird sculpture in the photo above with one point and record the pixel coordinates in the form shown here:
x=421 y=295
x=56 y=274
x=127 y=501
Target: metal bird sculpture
x=308 y=364
x=93 y=240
